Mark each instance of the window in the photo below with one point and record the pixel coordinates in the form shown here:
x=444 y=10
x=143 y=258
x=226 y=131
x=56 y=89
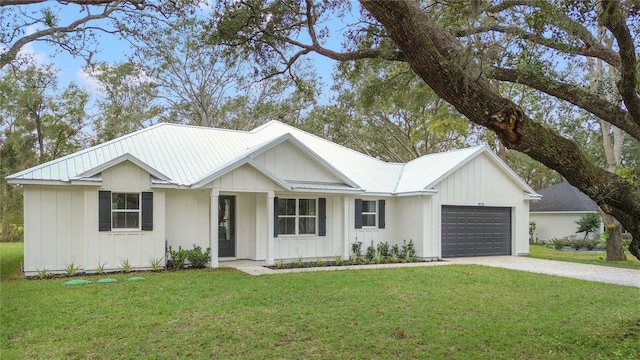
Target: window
x=307 y=216
x=125 y=211
x=368 y=213
x=287 y=216
x=132 y=211
x=296 y=216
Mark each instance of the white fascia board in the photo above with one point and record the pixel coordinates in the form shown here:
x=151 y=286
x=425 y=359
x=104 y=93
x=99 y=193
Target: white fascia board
x=78 y=182
x=532 y=197
x=115 y=161
x=377 y=194
x=318 y=191
x=86 y=182
x=418 y=193
x=20 y=182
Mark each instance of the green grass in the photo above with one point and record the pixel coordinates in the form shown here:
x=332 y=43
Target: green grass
x=10 y=260
x=440 y=312
x=585 y=257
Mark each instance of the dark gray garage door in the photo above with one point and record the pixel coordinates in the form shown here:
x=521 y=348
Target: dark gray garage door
x=475 y=231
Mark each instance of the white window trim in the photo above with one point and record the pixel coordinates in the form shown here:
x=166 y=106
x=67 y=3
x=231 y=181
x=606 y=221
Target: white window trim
x=297 y=217
x=139 y=211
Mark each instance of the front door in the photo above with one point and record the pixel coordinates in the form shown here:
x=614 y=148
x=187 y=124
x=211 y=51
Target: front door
x=227 y=226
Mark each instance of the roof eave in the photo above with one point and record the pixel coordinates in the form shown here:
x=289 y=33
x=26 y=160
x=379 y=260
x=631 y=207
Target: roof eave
x=328 y=191
x=20 y=182
x=429 y=192
x=120 y=159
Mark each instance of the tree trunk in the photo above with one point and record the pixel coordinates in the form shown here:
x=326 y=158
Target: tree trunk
x=437 y=57
x=615 y=250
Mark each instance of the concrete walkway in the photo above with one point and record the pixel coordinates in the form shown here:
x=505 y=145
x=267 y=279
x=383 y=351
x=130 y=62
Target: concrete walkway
x=597 y=273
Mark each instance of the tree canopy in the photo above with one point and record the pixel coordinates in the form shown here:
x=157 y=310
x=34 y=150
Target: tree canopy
x=461 y=49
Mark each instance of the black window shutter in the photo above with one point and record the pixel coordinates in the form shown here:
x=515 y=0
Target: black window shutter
x=322 y=216
x=275 y=216
x=147 y=211
x=104 y=210
x=358 y=213
x=381 y=205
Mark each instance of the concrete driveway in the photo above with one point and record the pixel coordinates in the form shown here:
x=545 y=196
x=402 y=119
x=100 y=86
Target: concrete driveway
x=605 y=274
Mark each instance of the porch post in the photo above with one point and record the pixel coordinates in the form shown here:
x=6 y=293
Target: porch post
x=345 y=224
x=270 y=215
x=213 y=232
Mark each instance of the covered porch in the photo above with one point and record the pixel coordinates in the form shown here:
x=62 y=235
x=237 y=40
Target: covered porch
x=243 y=227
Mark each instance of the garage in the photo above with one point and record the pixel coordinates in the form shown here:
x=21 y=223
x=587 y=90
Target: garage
x=475 y=231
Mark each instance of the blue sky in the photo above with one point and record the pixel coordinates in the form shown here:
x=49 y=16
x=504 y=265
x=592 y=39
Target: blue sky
x=115 y=50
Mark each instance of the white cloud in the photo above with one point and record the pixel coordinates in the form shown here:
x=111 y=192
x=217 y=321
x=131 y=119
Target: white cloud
x=205 y=5
x=88 y=80
x=29 y=52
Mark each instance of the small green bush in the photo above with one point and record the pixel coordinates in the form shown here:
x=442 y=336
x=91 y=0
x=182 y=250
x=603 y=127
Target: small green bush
x=197 y=258
x=178 y=258
x=407 y=251
x=558 y=244
x=383 y=249
x=591 y=244
x=356 y=250
x=371 y=252
x=578 y=244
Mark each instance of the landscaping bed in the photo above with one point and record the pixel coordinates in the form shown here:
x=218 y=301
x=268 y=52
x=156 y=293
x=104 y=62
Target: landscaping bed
x=382 y=253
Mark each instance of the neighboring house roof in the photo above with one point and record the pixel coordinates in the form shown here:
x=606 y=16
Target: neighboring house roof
x=190 y=156
x=563 y=197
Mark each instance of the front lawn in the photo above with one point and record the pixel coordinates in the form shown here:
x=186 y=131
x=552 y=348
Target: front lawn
x=586 y=257
x=429 y=312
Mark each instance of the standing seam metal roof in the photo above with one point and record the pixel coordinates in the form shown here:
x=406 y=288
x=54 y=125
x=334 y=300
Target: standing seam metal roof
x=188 y=154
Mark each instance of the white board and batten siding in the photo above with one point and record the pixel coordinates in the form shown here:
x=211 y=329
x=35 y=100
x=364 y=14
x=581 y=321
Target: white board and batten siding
x=54 y=233
x=480 y=182
x=292 y=164
x=408 y=217
x=244 y=178
x=187 y=218
x=137 y=247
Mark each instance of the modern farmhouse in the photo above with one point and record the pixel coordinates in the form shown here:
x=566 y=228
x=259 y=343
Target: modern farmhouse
x=275 y=192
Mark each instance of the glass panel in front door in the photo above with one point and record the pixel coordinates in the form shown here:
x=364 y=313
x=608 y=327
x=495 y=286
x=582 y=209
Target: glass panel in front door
x=226 y=226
